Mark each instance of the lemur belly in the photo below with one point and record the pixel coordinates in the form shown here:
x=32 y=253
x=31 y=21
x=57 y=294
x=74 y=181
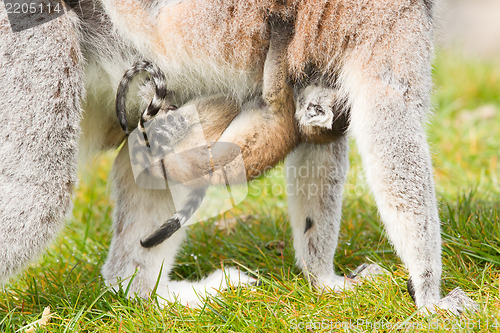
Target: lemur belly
x=189 y=54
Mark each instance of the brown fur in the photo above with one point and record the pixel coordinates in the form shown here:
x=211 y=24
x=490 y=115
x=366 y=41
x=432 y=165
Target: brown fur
x=235 y=32
x=269 y=130
x=273 y=131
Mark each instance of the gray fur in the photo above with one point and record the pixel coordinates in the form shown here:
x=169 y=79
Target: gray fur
x=166 y=135
x=457 y=302
x=177 y=221
x=317 y=196
x=157 y=103
x=41 y=87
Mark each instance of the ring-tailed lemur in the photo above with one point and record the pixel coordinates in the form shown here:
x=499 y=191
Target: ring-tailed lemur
x=378 y=53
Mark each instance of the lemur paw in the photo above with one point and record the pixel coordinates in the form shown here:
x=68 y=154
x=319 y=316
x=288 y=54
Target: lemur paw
x=456 y=302
x=317 y=115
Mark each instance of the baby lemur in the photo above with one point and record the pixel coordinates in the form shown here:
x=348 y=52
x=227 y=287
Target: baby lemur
x=315 y=115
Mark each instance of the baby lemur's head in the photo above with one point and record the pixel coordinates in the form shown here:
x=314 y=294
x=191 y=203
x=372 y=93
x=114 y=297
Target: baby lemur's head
x=316 y=106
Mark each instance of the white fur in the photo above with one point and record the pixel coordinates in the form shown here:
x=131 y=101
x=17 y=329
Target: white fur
x=130 y=265
x=194 y=294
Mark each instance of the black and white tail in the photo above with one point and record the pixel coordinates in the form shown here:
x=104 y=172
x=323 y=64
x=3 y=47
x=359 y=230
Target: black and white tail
x=173 y=224
x=159 y=98
x=196 y=196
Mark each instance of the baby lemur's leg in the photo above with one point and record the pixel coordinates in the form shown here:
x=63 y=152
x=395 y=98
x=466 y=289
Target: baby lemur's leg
x=136 y=215
x=41 y=75
x=389 y=83
x=266 y=136
x=264 y=130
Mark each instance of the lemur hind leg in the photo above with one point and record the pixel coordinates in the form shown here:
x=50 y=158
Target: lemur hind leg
x=393 y=146
x=41 y=87
x=315 y=177
x=136 y=215
x=265 y=130
x=389 y=84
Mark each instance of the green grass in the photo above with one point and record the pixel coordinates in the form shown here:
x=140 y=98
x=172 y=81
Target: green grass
x=466 y=147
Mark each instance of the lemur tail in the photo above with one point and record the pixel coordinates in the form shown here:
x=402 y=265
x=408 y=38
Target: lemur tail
x=177 y=221
x=158 y=99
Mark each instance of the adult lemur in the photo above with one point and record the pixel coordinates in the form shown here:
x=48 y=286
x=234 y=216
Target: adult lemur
x=377 y=52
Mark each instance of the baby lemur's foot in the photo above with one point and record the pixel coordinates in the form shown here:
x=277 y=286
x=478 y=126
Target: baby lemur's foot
x=316 y=106
x=317 y=115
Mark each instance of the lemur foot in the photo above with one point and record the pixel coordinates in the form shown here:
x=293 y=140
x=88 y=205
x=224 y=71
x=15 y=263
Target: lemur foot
x=317 y=115
x=456 y=302
x=316 y=106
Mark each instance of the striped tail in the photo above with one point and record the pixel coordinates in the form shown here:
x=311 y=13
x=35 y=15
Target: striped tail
x=161 y=93
x=177 y=221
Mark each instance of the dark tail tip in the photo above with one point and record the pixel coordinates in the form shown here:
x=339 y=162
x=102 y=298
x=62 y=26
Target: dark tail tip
x=163 y=233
